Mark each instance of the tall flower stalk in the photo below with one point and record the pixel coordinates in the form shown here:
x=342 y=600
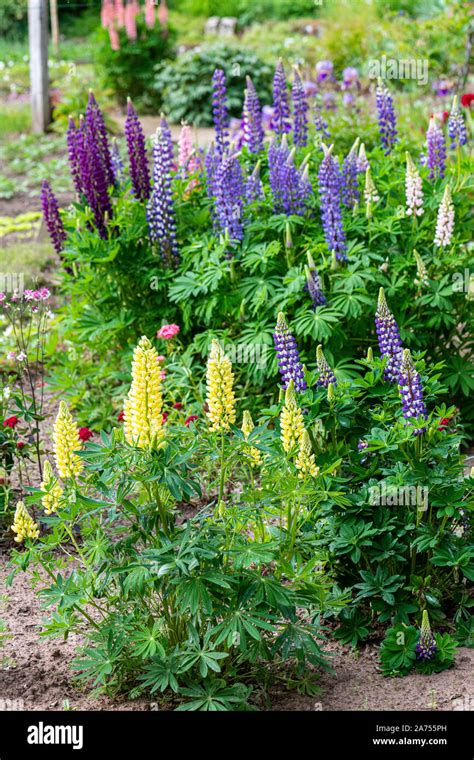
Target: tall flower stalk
x=52 y=218
x=436 y=150
x=291 y=420
x=281 y=119
x=350 y=178
x=229 y=198
x=411 y=391
x=330 y=187
x=289 y=362
x=413 y=189
x=388 y=336
x=300 y=112
x=137 y=156
x=252 y=119
x=220 y=397
x=66 y=443
x=160 y=209
x=371 y=195
x=445 y=220
x=386 y=117
x=326 y=375
x=143 y=407
x=220 y=113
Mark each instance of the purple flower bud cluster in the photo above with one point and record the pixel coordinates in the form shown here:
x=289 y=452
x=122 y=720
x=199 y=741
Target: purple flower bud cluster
x=91 y=163
x=252 y=119
x=290 y=186
x=300 y=110
x=52 y=218
x=330 y=188
x=320 y=124
x=436 y=150
x=137 y=157
x=411 y=391
x=229 y=197
x=220 y=112
x=160 y=208
x=281 y=117
x=456 y=126
x=289 y=362
x=388 y=336
x=253 y=186
x=426 y=647
x=313 y=286
x=326 y=375
x=386 y=117
x=350 y=178
x=118 y=166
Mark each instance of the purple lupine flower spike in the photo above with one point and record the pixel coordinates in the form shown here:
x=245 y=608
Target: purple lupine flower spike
x=281 y=118
x=52 y=218
x=252 y=119
x=137 y=156
x=436 y=150
x=229 y=195
x=300 y=107
x=313 y=286
x=94 y=179
x=388 y=336
x=350 y=178
x=326 y=375
x=426 y=647
x=329 y=183
x=290 y=186
x=362 y=160
x=386 y=117
x=456 y=126
x=320 y=124
x=96 y=125
x=411 y=391
x=73 y=155
x=220 y=113
x=288 y=356
x=160 y=208
x=253 y=186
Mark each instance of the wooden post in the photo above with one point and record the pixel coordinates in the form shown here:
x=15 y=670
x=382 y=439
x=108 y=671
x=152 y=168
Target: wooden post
x=53 y=12
x=39 y=82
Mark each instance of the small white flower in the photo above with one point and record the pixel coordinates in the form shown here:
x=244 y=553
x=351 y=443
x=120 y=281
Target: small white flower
x=445 y=221
x=414 y=189
x=21 y=356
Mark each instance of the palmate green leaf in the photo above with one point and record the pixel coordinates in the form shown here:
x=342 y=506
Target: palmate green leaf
x=162 y=673
x=186 y=286
x=147 y=641
x=319 y=324
x=352 y=304
x=244 y=554
x=397 y=652
x=65 y=593
x=215 y=696
x=192 y=595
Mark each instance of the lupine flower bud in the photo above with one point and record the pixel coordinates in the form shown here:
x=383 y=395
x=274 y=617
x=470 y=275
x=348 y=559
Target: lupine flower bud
x=329 y=183
x=66 y=443
x=305 y=461
x=426 y=647
x=281 y=119
x=414 y=189
x=220 y=394
x=118 y=167
x=386 y=117
x=371 y=195
x=160 y=208
x=331 y=394
x=445 y=220
x=185 y=146
x=289 y=362
x=326 y=375
x=220 y=113
x=456 y=126
x=137 y=156
x=52 y=218
x=411 y=391
x=436 y=146
x=421 y=271
x=350 y=179
x=252 y=119
x=300 y=108
x=23 y=524
x=52 y=489
x=143 y=407
x=291 y=420
x=362 y=161
x=390 y=343
x=313 y=286
x=253 y=186
x=247 y=427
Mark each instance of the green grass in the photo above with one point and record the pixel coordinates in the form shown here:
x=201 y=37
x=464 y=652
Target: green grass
x=15 y=119
x=29 y=259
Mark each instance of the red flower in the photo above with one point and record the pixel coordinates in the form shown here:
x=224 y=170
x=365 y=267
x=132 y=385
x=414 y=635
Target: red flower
x=120 y=416
x=11 y=422
x=85 y=433
x=20 y=445
x=467 y=99
x=190 y=419
x=178 y=405
x=444 y=422
x=164 y=417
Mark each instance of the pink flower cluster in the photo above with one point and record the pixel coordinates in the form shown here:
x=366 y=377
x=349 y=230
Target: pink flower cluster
x=167 y=332
x=117 y=14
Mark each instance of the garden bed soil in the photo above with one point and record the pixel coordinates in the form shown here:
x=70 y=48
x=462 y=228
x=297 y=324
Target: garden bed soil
x=37 y=672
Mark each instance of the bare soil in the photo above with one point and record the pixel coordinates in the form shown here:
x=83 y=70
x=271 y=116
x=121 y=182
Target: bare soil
x=37 y=671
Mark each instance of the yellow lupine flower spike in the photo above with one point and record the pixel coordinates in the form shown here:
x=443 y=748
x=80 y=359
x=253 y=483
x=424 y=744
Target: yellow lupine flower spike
x=23 y=524
x=66 y=443
x=142 y=411
x=220 y=394
x=291 y=419
x=247 y=427
x=305 y=462
x=53 y=490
